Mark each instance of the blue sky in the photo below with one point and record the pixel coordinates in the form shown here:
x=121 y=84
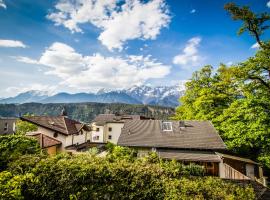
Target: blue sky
x=81 y=46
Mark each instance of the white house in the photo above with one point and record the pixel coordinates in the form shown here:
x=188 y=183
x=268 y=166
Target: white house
x=108 y=127
x=60 y=132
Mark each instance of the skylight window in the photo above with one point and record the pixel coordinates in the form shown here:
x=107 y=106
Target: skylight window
x=167 y=126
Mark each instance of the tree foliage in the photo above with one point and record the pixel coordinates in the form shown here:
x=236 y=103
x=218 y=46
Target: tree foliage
x=91 y=177
x=236 y=98
x=22 y=127
x=14 y=146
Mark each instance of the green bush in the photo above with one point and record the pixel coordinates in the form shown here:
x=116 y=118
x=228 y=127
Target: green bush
x=119 y=175
x=14 y=146
x=91 y=177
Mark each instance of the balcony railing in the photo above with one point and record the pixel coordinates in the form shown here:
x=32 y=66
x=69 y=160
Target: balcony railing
x=231 y=173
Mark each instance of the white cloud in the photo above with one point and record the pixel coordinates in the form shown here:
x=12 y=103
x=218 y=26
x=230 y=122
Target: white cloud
x=43 y=89
x=193 y=11
x=190 y=56
x=119 y=22
x=12 y=43
x=26 y=60
x=255 y=46
x=268 y=4
x=2 y=4
x=97 y=71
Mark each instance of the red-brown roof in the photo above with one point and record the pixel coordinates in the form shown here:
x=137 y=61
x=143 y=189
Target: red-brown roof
x=44 y=140
x=60 y=124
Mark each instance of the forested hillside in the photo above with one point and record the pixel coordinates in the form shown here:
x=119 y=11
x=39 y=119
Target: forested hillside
x=84 y=112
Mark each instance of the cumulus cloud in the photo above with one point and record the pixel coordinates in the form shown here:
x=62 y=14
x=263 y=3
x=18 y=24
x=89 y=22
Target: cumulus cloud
x=12 y=43
x=98 y=71
x=2 y=4
x=268 y=4
x=190 y=56
x=118 y=21
x=255 y=46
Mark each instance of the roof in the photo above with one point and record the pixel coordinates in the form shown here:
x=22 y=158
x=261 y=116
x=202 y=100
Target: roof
x=60 y=124
x=8 y=118
x=187 y=155
x=246 y=160
x=44 y=140
x=148 y=133
x=102 y=119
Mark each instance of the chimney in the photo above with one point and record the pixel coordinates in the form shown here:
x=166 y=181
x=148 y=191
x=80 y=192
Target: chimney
x=64 y=112
x=182 y=124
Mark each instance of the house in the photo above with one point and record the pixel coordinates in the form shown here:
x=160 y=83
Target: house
x=188 y=142
x=7 y=125
x=58 y=133
x=107 y=127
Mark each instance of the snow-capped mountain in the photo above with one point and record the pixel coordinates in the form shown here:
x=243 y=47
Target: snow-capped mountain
x=162 y=95
x=25 y=97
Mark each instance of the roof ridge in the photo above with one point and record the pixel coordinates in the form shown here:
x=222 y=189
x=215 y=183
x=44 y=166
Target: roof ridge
x=64 y=118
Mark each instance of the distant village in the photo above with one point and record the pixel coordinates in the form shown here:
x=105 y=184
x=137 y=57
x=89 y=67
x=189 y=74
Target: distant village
x=184 y=141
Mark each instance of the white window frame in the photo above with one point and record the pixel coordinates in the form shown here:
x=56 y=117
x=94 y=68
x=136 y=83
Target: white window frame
x=167 y=126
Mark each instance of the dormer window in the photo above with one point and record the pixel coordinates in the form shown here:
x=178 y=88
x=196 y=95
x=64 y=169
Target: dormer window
x=55 y=134
x=6 y=126
x=167 y=126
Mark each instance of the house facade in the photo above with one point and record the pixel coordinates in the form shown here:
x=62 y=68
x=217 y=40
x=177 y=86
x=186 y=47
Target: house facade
x=188 y=142
x=64 y=131
x=107 y=127
x=7 y=125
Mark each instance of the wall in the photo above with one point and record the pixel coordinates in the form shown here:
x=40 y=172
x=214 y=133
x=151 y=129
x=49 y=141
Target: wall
x=115 y=132
x=50 y=133
x=99 y=133
x=10 y=128
x=52 y=150
x=77 y=139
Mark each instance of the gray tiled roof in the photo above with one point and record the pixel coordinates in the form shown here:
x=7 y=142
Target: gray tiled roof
x=148 y=133
x=101 y=119
x=187 y=155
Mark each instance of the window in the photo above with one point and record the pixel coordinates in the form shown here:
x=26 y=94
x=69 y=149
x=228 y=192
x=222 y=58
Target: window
x=97 y=129
x=55 y=134
x=6 y=126
x=110 y=129
x=110 y=137
x=96 y=137
x=167 y=126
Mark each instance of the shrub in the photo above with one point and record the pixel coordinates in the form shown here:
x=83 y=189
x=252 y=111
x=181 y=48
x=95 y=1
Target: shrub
x=14 y=146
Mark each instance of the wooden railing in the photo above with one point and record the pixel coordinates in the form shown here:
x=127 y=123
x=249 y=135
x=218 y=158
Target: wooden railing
x=231 y=173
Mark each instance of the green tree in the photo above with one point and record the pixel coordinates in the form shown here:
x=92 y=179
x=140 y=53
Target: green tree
x=22 y=127
x=236 y=98
x=14 y=146
x=255 y=24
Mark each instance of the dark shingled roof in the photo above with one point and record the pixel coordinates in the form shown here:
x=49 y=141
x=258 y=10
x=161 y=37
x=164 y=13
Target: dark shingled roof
x=44 y=140
x=148 y=133
x=60 y=124
x=101 y=119
x=187 y=155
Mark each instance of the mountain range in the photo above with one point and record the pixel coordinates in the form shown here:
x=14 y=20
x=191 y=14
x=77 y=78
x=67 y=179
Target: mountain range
x=162 y=95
